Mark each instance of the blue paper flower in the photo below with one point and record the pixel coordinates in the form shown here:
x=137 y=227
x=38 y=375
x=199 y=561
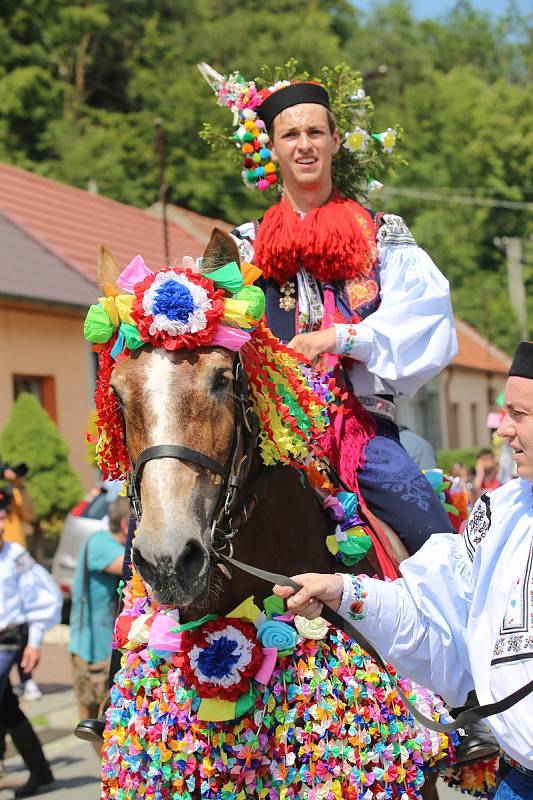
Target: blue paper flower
x=277 y=634
x=218 y=660
x=174 y=300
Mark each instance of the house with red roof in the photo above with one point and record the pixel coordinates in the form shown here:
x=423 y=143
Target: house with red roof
x=49 y=238
x=453 y=409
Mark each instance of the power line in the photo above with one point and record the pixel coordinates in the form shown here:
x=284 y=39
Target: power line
x=425 y=194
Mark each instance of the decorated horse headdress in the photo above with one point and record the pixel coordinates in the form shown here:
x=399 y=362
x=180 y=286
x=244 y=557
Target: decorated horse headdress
x=188 y=308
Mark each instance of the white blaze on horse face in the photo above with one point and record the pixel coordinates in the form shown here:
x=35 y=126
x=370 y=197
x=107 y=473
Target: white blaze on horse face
x=178 y=399
x=168 y=485
x=160 y=474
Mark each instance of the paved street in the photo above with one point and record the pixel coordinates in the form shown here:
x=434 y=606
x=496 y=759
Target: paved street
x=73 y=762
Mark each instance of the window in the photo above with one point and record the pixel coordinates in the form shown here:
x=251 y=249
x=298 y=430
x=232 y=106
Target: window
x=473 y=424
x=40 y=386
x=453 y=432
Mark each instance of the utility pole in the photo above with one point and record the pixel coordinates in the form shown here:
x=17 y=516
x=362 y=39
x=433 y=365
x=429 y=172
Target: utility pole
x=512 y=247
x=159 y=147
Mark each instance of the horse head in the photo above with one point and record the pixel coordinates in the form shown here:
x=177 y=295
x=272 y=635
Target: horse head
x=183 y=399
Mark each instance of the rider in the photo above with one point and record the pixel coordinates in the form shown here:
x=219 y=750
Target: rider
x=392 y=316
x=392 y=319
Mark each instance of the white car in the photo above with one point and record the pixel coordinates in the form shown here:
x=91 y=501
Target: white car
x=84 y=519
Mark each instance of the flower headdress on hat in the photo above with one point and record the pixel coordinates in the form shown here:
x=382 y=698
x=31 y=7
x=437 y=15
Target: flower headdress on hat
x=365 y=157
x=184 y=308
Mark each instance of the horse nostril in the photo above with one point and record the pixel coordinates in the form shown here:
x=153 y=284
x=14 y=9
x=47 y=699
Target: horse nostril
x=146 y=570
x=192 y=560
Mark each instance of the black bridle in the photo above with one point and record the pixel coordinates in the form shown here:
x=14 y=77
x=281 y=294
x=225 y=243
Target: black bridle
x=233 y=473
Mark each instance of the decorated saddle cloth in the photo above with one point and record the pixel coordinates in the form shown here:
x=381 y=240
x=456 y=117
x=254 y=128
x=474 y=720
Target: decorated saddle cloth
x=257 y=704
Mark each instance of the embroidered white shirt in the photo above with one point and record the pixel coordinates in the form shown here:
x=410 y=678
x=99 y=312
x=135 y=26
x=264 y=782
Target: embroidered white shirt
x=461 y=616
x=411 y=337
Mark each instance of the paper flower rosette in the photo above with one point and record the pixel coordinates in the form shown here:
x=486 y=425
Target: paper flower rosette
x=221 y=657
x=177 y=309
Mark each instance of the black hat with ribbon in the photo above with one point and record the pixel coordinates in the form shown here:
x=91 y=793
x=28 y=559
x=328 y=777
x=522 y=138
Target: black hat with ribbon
x=522 y=366
x=291 y=95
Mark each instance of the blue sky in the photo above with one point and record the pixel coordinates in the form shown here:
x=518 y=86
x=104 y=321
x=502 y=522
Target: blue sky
x=434 y=8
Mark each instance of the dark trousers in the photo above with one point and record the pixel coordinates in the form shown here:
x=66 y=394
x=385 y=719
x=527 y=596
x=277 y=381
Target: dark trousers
x=514 y=785
x=397 y=492
x=10 y=712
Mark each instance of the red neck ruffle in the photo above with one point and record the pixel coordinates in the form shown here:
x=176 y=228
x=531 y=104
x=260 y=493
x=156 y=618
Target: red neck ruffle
x=333 y=242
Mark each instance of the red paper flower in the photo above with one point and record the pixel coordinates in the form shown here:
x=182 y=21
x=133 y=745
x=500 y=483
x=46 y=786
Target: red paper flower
x=176 y=308
x=220 y=657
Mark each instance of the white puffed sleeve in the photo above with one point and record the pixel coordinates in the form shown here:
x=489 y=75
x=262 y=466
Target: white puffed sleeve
x=419 y=621
x=41 y=599
x=411 y=336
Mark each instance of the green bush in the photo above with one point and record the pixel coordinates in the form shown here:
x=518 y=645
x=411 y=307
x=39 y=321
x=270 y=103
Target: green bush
x=31 y=436
x=457 y=455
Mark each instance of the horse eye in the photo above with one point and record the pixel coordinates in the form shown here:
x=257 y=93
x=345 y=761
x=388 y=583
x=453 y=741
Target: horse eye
x=221 y=380
x=120 y=401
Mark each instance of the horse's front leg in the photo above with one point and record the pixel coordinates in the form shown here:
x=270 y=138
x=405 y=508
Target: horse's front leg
x=429 y=789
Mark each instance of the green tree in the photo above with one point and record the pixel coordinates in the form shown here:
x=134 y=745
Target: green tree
x=31 y=437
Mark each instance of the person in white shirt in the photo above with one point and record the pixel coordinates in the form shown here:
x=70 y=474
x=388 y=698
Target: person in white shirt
x=461 y=616
x=29 y=601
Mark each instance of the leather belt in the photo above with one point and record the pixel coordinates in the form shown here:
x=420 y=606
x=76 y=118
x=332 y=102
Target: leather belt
x=378 y=405
x=515 y=765
x=10 y=637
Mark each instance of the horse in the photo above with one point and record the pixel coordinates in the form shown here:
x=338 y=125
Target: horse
x=326 y=722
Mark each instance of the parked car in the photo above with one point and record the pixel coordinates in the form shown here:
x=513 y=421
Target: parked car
x=87 y=517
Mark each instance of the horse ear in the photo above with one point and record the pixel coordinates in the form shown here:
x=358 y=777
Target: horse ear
x=107 y=271
x=220 y=250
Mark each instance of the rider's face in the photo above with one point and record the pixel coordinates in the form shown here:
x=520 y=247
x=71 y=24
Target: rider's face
x=517 y=424
x=304 y=146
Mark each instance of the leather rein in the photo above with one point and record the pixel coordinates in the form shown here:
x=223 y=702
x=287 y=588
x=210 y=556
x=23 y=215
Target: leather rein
x=234 y=474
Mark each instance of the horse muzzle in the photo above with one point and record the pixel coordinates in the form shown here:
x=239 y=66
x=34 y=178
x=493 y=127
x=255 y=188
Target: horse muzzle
x=174 y=582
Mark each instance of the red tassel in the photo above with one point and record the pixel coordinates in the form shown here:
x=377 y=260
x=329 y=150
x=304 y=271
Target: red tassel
x=333 y=242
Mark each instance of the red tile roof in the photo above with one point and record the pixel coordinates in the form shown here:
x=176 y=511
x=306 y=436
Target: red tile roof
x=31 y=272
x=71 y=223
x=475 y=352
x=198 y=226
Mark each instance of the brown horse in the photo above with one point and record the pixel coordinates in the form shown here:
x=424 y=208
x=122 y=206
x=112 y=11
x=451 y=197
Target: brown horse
x=201 y=484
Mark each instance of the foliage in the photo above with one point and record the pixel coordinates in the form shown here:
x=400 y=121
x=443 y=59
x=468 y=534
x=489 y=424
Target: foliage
x=31 y=437
x=81 y=83
x=447 y=459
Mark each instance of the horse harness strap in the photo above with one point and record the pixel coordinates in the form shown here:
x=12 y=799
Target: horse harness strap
x=180 y=452
x=463 y=719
